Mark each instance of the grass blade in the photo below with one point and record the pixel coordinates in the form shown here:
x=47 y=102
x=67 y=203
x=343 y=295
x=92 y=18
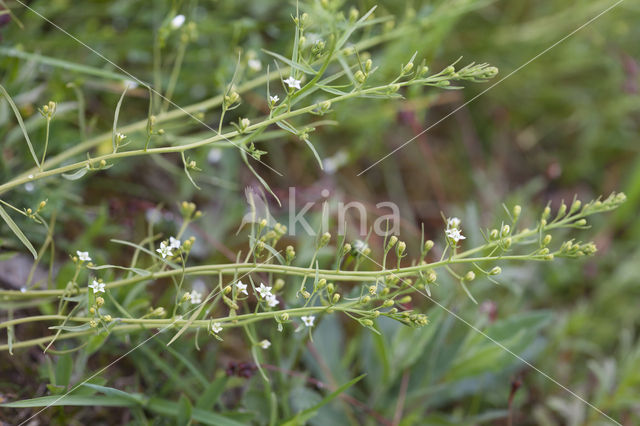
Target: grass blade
x=16 y=111
x=16 y=230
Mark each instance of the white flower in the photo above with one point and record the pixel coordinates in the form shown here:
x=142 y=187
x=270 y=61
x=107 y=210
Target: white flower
x=453 y=222
x=242 y=288
x=23 y=289
x=265 y=344
x=271 y=300
x=164 y=250
x=274 y=99
x=455 y=234
x=177 y=21
x=264 y=291
x=308 y=320
x=196 y=297
x=83 y=256
x=292 y=83
x=174 y=243
x=360 y=246
x=255 y=64
x=216 y=327
x=97 y=287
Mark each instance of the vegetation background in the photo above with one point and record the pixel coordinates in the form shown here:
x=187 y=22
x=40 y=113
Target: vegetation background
x=565 y=124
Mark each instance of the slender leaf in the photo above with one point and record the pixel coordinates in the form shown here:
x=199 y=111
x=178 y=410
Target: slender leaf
x=16 y=230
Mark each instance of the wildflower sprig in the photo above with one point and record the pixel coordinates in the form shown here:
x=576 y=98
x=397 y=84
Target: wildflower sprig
x=385 y=292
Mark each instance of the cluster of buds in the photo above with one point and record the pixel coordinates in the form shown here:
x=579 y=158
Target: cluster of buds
x=231 y=101
x=243 y=124
x=151 y=123
x=189 y=212
x=32 y=214
x=571 y=249
x=48 y=110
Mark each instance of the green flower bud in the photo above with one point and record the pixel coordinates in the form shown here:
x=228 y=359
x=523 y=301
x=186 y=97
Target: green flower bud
x=278 y=284
x=575 y=206
x=392 y=241
x=402 y=246
x=407 y=68
x=324 y=240
x=493 y=234
x=387 y=303
x=546 y=240
x=496 y=270
x=505 y=230
x=330 y=288
x=321 y=283
x=360 y=77
x=405 y=299
x=336 y=298
x=366 y=322
x=516 y=211
x=470 y=276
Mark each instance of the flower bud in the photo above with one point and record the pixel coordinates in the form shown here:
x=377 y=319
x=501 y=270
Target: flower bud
x=366 y=300
x=284 y=317
x=581 y=222
x=346 y=249
x=360 y=77
x=92 y=310
x=186 y=296
x=428 y=245
x=407 y=68
x=324 y=240
x=516 y=211
x=505 y=231
x=99 y=301
x=405 y=299
x=470 y=276
x=107 y=318
x=493 y=234
x=305 y=294
x=278 y=284
x=336 y=298
x=93 y=324
x=431 y=277
x=330 y=288
x=366 y=322
x=402 y=246
x=496 y=270
x=507 y=243
x=321 y=283
x=575 y=206
x=546 y=240
x=353 y=14
x=392 y=241
x=367 y=65
x=387 y=303
x=373 y=289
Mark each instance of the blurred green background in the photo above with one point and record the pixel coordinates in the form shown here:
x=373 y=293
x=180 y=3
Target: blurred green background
x=567 y=123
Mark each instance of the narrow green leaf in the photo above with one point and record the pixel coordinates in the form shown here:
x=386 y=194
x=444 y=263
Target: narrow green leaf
x=16 y=111
x=16 y=230
x=212 y=393
x=303 y=416
x=58 y=63
x=184 y=410
x=76 y=175
x=115 y=119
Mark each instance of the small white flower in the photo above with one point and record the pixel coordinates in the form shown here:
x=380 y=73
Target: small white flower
x=97 y=287
x=453 y=222
x=265 y=344
x=23 y=289
x=164 y=250
x=255 y=64
x=271 y=300
x=308 y=320
x=274 y=99
x=242 y=288
x=29 y=187
x=196 y=297
x=83 y=256
x=177 y=21
x=292 y=83
x=264 y=291
x=360 y=246
x=174 y=243
x=455 y=234
x=216 y=327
